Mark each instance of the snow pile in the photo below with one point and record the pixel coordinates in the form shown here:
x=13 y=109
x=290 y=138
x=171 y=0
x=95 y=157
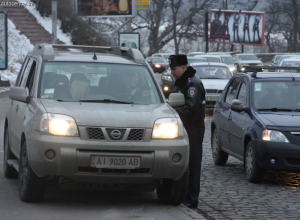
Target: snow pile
x=18 y=47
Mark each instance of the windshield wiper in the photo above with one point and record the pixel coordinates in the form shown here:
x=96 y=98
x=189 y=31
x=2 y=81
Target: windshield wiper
x=106 y=101
x=275 y=109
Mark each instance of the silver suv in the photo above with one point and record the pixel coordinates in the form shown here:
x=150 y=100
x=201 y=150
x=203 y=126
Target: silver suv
x=93 y=117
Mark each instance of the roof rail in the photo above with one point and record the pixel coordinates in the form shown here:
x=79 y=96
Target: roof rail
x=47 y=50
x=256 y=69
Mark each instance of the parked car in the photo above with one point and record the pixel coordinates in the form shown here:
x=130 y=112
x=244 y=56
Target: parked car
x=163 y=55
x=111 y=125
x=210 y=58
x=158 y=64
x=287 y=56
x=257 y=120
x=168 y=80
x=214 y=77
x=227 y=59
x=274 y=62
x=245 y=62
x=192 y=54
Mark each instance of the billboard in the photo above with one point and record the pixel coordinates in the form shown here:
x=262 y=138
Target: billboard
x=130 y=40
x=238 y=27
x=142 y=4
x=105 y=8
x=3 y=40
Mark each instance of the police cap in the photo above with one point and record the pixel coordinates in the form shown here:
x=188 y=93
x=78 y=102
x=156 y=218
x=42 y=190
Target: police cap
x=177 y=60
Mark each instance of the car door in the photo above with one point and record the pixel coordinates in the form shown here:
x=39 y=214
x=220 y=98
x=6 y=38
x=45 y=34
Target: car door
x=223 y=112
x=19 y=108
x=236 y=123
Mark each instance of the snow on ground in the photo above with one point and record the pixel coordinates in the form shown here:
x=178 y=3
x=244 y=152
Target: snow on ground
x=19 y=45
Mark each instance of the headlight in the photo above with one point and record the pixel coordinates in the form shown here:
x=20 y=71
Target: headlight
x=157 y=65
x=167 y=128
x=168 y=78
x=276 y=136
x=231 y=69
x=59 y=125
x=243 y=68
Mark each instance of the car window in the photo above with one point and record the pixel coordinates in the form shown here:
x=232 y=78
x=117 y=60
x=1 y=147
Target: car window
x=74 y=81
x=242 y=96
x=158 y=60
x=248 y=57
x=20 y=75
x=31 y=76
x=24 y=76
x=213 y=72
x=213 y=59
x=227 y=60
x=277 y=94
x=200 y=60
x=232 y=89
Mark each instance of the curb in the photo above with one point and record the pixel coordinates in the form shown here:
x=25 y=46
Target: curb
x=190 y=212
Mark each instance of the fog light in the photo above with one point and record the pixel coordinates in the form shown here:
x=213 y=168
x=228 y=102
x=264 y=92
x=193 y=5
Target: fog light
x=50 y=154
x=166 y=88
x=273 y=161
x=176 y=158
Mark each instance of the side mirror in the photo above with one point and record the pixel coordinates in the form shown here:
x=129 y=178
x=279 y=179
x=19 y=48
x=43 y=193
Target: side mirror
x=237 y=106
x=176 y=99
x=18 y=94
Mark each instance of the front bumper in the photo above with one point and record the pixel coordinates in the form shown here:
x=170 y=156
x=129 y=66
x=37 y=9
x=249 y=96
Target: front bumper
x=73 y=158
x=248 y=68
x=286 y=155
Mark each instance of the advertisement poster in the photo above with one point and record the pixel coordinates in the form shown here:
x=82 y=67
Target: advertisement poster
x=239 y=27
x=142 y=4
x=130 y=40
x=105 y=8
x=3 y=40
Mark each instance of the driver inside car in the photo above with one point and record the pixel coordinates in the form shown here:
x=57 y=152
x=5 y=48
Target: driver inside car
x=129 y=90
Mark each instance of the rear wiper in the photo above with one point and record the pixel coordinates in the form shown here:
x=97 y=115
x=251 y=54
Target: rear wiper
x=275 y=109
x=106 y=101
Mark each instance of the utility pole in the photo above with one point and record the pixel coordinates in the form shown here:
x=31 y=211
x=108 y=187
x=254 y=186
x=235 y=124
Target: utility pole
x=206 y=32
x=54 y=21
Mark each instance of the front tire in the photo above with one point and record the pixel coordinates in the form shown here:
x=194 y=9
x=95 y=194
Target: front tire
x=253 y=172
x=173 y=192
x=220 y=157
x=31 y=187
x=9 y=172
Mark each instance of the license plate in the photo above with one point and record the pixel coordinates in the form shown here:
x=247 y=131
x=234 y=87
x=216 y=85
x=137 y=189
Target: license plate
x=115 y=162
x=211 y=98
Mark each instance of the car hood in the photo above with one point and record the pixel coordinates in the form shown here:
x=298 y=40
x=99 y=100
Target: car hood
x=110 y=114
x=289 y=119
x=214 y=83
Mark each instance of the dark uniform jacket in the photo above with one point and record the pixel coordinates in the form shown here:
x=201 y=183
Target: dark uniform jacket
x=190 y=85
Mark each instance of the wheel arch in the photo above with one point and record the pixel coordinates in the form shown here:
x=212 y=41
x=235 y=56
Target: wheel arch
x=247 y=139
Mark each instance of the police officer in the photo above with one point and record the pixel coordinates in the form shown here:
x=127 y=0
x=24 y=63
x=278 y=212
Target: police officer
x=192 y=115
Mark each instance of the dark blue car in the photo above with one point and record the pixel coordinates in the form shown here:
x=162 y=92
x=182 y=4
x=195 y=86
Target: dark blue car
x=257 y=120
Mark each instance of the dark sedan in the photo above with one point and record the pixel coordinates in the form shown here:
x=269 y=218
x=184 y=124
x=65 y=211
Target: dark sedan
x=158 y=64
x=257 y=120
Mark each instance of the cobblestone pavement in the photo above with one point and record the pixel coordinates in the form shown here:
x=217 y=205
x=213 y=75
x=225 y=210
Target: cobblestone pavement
x=226 y=193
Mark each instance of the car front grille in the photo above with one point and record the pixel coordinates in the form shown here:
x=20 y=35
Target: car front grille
x=211 y=90
x=115 y=134
x=252 y=64
x=136 y=135
x=95 y=133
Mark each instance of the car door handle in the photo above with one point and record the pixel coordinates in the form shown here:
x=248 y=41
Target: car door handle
x=17 y=107
x=229 y=117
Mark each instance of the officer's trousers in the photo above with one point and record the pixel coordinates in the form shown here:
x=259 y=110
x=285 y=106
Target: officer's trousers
x=195 y=138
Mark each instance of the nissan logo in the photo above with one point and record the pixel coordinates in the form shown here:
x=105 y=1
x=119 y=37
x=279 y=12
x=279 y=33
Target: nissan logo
x=116 y=134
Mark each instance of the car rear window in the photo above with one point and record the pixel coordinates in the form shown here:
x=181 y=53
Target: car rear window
x=213 y=72
x=105 y=81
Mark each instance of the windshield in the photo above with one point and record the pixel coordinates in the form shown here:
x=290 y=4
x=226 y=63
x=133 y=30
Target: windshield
x=227 y=60
x=248 y=57
x=74 y=81
x=200 y=60
x=212 y=72
x=268 y=95
x=213 y=59
x=166 y=56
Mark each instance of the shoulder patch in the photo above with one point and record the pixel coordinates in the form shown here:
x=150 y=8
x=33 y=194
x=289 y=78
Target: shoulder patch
x=189 y=80
x=192 y=92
